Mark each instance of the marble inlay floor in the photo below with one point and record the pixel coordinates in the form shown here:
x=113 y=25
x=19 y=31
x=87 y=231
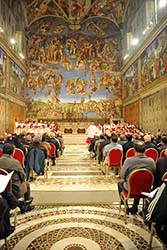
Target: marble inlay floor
x=79 y=228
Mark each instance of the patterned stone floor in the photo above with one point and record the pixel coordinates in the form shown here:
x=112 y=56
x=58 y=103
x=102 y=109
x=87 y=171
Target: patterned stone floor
x=79 y=228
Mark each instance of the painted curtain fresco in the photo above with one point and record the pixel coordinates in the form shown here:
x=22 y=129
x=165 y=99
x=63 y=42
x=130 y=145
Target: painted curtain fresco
x=73 y=75
x=17 y=79
x=154 y=59
x=2 y=68
x=131 y=80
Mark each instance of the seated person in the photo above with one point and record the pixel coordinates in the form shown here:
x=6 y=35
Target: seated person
x=5 y=227
x=20 y=187
x=132 y=163
x=155 y=211
x=161 y=166
x=36 y=157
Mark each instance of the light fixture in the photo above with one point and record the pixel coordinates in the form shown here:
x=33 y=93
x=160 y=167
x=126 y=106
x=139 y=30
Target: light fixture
x=1 y=30
x=162 y=3
x=126 y=56
x=12 y=41
x=21 y=55
x=135 y=41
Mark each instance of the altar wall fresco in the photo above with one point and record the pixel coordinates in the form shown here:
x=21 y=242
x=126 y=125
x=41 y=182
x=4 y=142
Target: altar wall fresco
x=72 y=75
x=74 y=62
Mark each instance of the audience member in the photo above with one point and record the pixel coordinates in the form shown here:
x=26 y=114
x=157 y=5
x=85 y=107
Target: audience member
x=20 y=187
x=148 y=143
x=161 y=168
x=113 y=144
x=129 y=144
x=163 y=143
x=122 y=140
x=132 y=163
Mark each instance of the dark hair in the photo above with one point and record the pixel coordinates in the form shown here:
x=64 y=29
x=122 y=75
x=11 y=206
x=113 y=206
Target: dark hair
x=114 y=137
x=139 y=146
x=128 y=137
x=164 y=139
x=8 y=148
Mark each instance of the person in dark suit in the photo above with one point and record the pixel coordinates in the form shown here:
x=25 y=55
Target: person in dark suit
x=20 y=188
x=102 y=145
x=161 y=167
x=129 y=144
x=148 y=142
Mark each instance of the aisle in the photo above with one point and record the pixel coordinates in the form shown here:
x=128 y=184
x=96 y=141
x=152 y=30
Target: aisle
x=75 y=179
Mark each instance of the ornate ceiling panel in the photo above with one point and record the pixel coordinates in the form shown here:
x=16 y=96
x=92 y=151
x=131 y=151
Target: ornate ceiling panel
x=76 y=13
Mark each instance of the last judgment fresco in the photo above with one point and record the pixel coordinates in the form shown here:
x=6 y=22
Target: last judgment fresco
x=74 y=66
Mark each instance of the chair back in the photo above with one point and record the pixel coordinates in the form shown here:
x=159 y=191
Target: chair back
x=140 y=180
x=115 y=158
x=9 y=186
x=152 y=153
x=52 y=151
x=1 y=152
x=130 y=152
x=162 y=153
x=19 y=155
x=164 y=177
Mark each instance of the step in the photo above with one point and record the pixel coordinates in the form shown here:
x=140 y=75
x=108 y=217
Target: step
x=75 y=189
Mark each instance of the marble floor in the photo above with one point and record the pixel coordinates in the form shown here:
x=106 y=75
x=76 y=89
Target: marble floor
x=79 y=228
x=76 y=208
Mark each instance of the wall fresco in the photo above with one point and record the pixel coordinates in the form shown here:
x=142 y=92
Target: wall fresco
x=17 y=79
x=73 y=74
x=2 y=68
x=154 y=59
x=131 y=80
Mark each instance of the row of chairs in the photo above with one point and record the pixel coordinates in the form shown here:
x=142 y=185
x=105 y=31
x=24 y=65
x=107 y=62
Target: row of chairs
x=150 y=152
x=19 y=155
x=115 y=156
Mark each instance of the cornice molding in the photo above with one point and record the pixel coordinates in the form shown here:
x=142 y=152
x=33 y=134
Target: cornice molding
x=7 y=96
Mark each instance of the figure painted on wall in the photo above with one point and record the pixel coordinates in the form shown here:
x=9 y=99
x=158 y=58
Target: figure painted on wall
x=154 y=59
x=75 y=8
x=17 y=79
x=2 y=68
x=131 y=80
